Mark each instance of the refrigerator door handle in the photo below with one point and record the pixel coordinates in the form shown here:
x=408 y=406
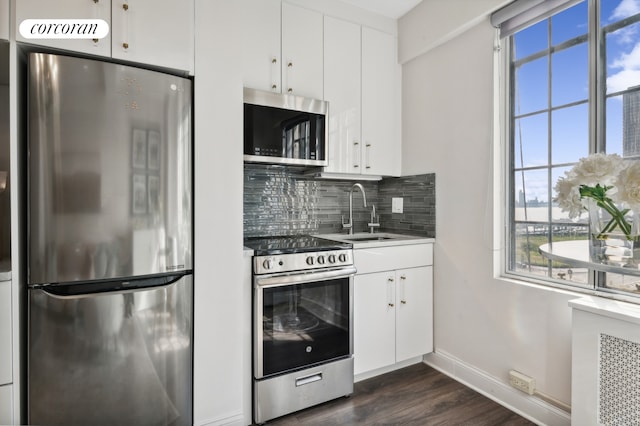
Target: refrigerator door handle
x=91 y=288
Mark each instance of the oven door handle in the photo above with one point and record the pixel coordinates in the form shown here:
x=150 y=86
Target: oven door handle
x=300 y=278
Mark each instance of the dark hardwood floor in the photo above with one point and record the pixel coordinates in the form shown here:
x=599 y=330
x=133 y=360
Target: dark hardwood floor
x=415 y=395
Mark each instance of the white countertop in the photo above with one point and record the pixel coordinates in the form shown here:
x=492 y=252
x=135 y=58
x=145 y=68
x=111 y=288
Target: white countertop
x=387 y=239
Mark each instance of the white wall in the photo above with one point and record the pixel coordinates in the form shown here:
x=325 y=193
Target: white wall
x=220 y=322
x=489 y=325
x=445 y=19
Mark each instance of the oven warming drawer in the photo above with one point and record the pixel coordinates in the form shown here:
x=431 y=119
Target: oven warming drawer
x=277 y=396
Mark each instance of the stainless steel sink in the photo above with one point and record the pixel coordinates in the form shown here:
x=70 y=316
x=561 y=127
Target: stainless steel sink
x=371 y=238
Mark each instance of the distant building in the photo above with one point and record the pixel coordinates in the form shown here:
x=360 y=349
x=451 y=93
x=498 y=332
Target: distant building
x=631 y=123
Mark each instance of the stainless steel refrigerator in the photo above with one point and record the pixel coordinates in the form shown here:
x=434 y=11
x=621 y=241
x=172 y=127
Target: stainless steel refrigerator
x=109 y=262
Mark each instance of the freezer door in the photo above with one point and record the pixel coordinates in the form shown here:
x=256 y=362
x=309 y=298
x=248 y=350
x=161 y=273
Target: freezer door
x=121 y=358
x=109 y=170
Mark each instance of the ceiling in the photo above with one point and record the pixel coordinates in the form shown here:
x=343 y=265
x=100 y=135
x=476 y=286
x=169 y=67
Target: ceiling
x=391 y=8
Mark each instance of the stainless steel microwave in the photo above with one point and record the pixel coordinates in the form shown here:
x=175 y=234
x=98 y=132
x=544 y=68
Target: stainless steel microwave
x=285 y=129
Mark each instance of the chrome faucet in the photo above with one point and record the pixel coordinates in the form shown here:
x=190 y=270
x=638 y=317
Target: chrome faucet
x=349 y=225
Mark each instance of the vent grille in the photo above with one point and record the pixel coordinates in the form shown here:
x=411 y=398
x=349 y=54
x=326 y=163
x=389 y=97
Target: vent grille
x=619 y=369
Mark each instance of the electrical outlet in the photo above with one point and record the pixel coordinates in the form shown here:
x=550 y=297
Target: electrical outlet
x=397 y=204
x=522 y=382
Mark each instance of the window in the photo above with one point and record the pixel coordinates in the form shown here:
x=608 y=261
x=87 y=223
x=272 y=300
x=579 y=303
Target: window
x=574 y=89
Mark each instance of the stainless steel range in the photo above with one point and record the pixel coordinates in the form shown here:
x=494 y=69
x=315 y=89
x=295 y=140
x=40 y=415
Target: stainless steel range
x=302 y=325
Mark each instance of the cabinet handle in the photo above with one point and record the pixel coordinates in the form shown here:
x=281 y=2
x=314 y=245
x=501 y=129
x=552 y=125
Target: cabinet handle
x=274 y=72
x=96 y=1
x=290 y=64
x=367 y=156
x=391 y=305
x=390 y=280
x=125 y=6
x=290 y=90
x=95 y=40
x=403 y=297
x=125 y=45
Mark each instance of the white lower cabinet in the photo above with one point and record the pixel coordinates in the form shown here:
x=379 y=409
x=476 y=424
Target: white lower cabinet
x=393 y=309
x=6 y=405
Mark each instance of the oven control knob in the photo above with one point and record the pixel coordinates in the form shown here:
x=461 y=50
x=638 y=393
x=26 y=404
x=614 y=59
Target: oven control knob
x=342 y=257
x=267 y=264
x=332 y=258
x=309 y=260
x=321 y=260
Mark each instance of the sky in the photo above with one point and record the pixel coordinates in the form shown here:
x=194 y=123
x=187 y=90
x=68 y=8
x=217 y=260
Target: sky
x=569 y=84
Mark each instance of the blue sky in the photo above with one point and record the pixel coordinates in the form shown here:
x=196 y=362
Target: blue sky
x=569 y=83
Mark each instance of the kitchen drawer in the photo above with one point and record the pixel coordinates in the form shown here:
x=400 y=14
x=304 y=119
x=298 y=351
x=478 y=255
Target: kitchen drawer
x=368 y=260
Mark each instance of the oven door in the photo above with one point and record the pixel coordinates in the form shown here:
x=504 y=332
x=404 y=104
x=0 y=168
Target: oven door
x=302 y=320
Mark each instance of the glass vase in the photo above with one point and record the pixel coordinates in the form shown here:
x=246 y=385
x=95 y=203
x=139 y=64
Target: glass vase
x=609 y=242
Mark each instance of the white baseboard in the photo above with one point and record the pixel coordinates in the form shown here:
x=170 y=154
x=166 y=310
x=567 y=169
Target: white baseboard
x=235 y=420
x=529 y=407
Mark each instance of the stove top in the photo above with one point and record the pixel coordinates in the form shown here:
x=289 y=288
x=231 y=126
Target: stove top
x=265 y=246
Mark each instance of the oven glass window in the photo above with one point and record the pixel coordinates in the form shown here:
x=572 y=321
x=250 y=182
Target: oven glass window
x=305 y=324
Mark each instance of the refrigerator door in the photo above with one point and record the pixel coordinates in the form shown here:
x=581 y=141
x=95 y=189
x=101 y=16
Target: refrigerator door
x=109 y=166
x=119 y=358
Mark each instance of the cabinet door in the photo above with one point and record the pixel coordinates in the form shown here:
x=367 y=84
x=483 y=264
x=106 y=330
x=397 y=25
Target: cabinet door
x=6 y=405
x=5 y=334
x=414 y=320
x=260 y=44
x=144 y=32
x=301 y=51
x=4 y=19
x=342 y=90
x=67 y=9
x=380 y=104
x=374 y=321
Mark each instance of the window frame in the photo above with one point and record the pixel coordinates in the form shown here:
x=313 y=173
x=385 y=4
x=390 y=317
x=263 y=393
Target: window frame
x=596 y=104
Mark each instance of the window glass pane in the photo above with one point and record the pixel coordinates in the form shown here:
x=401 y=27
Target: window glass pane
x=615 y=10
x=623 y=58
x=528 y=237
x=531 y=195
x=566 y=272
x=531 y=86
x=531 y=40
x=531 y=141
x=569 y=24
x=620 y=282
x=631 y=123
x=569 y=134
x=569 y=68
x=613 y=115
x=557 y=215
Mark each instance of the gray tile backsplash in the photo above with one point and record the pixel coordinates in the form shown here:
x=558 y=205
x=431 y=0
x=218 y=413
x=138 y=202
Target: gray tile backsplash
x=285 y=201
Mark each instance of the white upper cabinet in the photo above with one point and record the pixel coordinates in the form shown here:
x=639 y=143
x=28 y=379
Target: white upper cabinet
x=261 y=21
x=302 y=40
x=362 y=85
x=281 y=47
x=67 y=9
x=4 y=19
x=154 y=32
x=342 y=90
x=380 y=104
x=151 y=32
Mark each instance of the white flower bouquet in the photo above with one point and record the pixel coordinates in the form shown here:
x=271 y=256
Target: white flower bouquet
x=608 y=182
